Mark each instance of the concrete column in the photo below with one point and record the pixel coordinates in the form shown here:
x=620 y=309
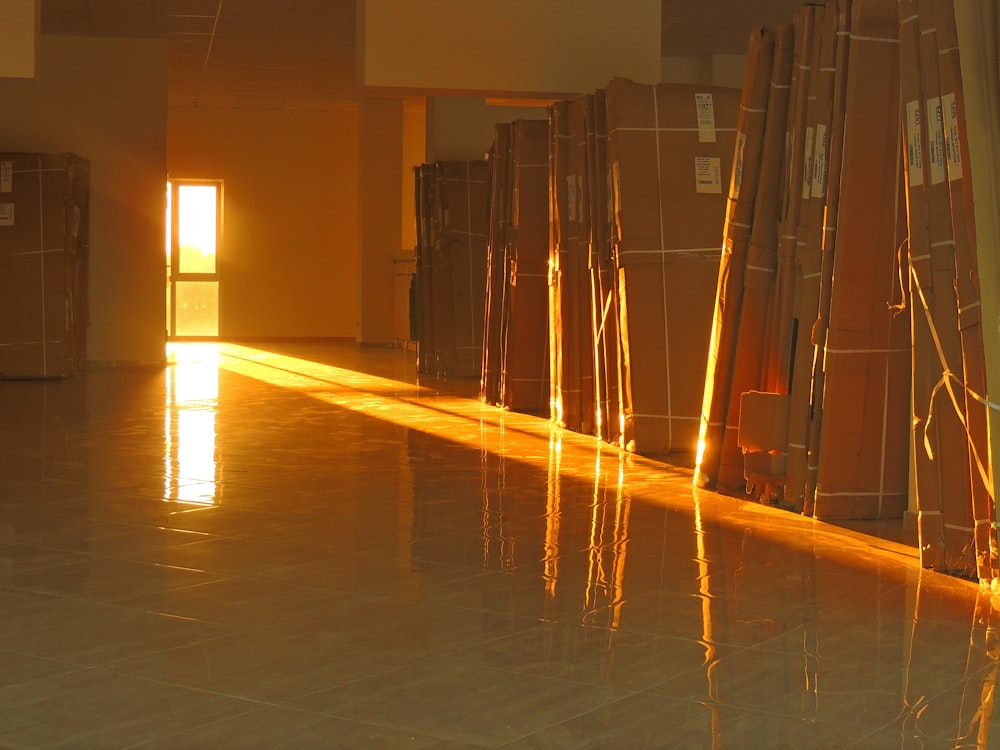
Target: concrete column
x=380 y=231
x=19 y=22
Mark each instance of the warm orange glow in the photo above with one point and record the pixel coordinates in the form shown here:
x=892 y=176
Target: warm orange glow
x=192 y=397
x=197 y=227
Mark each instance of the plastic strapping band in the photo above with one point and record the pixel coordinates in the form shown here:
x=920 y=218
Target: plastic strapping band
x=41 y=261
x=855 y=38
x=945 y=382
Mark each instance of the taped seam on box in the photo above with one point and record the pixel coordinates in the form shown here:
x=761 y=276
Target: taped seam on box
x=665 y=416
x=658 y=129
x=41 y=261
x=472 y=265
x=867 y=351
x=887 y=40
x=850 y=493
x=670 y=251
x=663 y=272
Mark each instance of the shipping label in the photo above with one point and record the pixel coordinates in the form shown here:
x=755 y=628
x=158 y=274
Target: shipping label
x=6 y=214
x=949 y=108
x=571 y=196
x=705 y=107
x=708 y=174
x=580 y=203
x=741 y=144
x=935 y=141
x=914 y=144
x=6 y=176
x=807 y=165
x=819 y=163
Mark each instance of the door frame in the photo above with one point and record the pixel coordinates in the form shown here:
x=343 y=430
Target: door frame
x=173 y=275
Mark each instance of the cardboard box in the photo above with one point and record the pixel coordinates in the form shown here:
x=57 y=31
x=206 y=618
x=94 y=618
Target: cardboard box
x=525 y=371
x=863 y=451
x=671 y=149
x=43 y=264
x=603 y=275
x=757 y=163
x=501 y=159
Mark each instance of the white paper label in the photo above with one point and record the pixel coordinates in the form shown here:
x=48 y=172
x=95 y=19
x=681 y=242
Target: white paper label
x=914 y=144
x=935 y=141
x=949 y=108
x=807 y=165
x=6 y=214
x=6 y=176
x=708 y=174
x=611 y=193
x=741 y=145
x=571 y=196
x=819 y=163
x=706 y=117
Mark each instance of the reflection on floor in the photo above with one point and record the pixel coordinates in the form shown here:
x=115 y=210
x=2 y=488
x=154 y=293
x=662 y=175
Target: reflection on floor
x=313 y=548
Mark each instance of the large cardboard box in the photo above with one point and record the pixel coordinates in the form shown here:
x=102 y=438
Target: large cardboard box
x=43 y=264
x=734 y=351
x=463 y=207
x=602 y=273
x=671 y=149
x=501 y=158
x=525 y=370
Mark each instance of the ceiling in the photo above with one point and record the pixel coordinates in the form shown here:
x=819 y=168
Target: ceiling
x=300 y=53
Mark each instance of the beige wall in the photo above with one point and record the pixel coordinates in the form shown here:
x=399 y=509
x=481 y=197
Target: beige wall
x=549 y=46
x=380 y=189
x=710 y=70
x=19 y=21
x=290 y=249
x=105 y=99
x=461 y=128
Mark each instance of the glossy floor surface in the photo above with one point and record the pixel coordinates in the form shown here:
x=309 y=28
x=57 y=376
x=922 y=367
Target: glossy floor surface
x=307 y=547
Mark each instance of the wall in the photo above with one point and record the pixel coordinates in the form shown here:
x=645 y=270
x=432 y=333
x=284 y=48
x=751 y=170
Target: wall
x=710 y=70
x=19 y=38
x=462 y=127
x=554 y=46
x=121 y=129
x=290 y=246
x=414 y=154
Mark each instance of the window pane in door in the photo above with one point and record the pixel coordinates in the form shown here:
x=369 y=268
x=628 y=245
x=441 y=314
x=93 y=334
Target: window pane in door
x=197 y=308
x=197 y=226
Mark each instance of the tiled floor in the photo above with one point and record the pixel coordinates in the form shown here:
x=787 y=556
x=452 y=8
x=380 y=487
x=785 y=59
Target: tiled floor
x=254 y=550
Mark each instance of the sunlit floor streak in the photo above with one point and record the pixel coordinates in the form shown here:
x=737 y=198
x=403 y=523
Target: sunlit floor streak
x=307 y=545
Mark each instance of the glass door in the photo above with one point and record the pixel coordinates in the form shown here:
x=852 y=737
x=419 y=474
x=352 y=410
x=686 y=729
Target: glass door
x=193 y=270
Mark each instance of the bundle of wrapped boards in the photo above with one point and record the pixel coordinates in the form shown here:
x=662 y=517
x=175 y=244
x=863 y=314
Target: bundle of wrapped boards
x=603 y=260
x=449 y=285
x=847 y=343
x=781 y=283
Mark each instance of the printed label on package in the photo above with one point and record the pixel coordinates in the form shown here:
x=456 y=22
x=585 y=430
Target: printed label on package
x=6 y=214
x=708 y=174
x=914 y=145
x=610 y=198
x=935 y=141
x=819 y=163
x=706 y=117
x=6 y=176
x=741 y=144
x=579 y=198
x=949 y=108
x=807 y=165
x=571 y=196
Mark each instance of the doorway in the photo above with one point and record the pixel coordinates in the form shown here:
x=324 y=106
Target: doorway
x=194 y=271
